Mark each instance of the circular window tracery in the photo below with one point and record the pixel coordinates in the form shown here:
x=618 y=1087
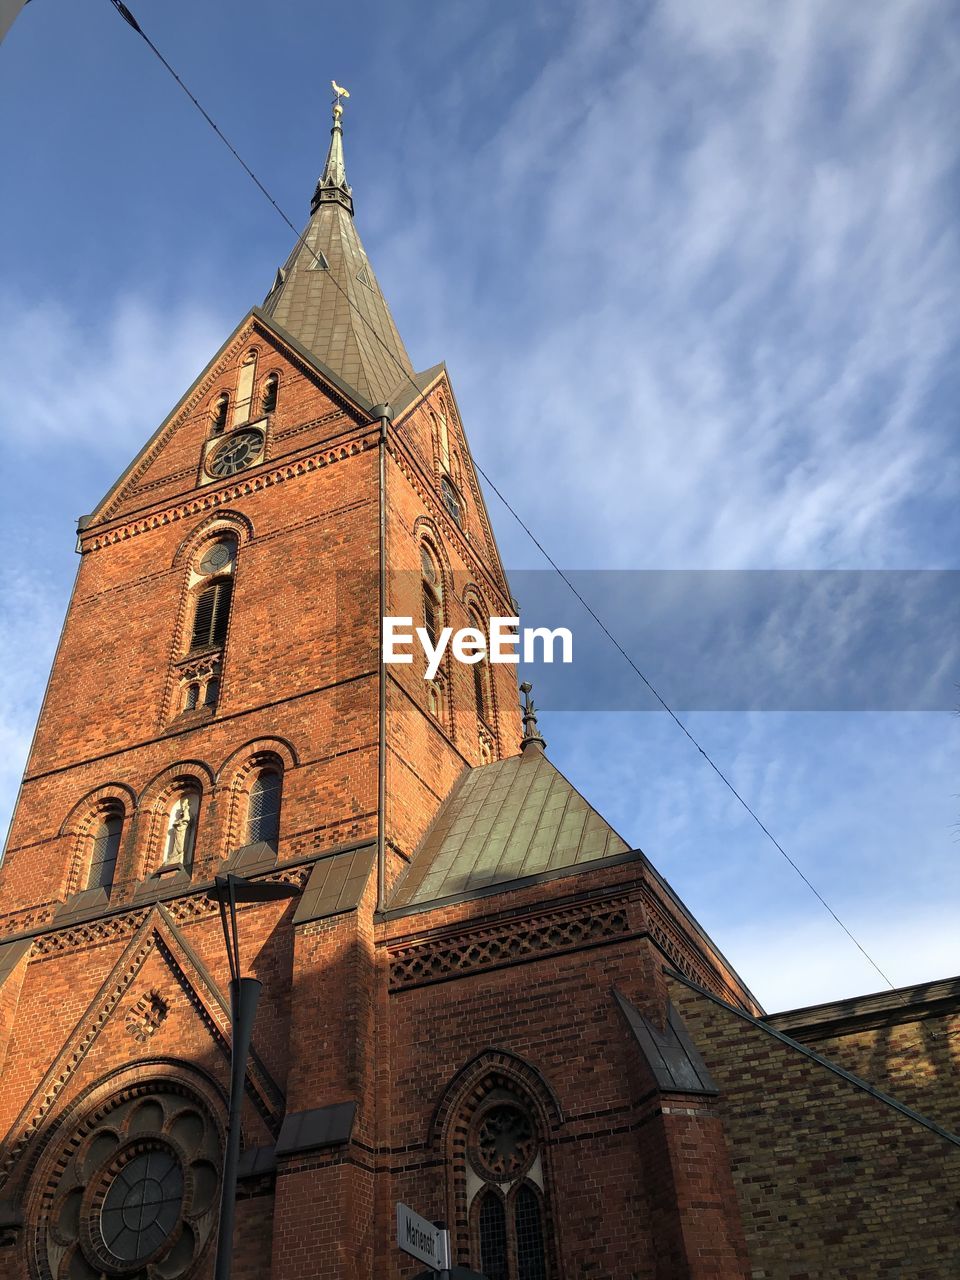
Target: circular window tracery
x=504 y=1144
x=218 y=556
x=142 y=1205
x=133 y=1191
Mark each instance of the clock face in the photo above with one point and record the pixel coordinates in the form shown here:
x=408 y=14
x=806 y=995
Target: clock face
x=241 y=450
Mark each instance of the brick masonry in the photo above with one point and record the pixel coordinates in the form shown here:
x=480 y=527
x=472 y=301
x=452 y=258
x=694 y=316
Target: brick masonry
x=418 y=1019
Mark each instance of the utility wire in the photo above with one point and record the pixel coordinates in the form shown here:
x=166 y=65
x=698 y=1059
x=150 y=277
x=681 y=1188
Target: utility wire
x=131 y=21
x=128 y=17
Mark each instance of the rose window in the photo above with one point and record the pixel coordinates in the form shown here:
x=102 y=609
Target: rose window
x=504 y=1144
x=133 y=1191
x=142 y=1205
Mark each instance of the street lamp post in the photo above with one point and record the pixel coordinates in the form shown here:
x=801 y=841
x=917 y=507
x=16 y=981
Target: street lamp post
x=244 y=997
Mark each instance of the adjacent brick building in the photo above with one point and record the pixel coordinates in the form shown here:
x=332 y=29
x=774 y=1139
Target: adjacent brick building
x=481 y=1002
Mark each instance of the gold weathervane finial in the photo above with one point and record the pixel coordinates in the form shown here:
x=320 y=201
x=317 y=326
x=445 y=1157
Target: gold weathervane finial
x=338 y=93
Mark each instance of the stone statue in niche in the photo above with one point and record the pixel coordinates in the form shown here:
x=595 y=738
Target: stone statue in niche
x=181 y=833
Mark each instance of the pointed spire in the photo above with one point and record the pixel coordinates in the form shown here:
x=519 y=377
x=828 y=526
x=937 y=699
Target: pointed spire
x=327 y=296
x=532 y=741
x=332 y=183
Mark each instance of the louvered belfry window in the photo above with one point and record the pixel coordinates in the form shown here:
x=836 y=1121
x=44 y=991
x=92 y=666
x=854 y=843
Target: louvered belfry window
x=268 y=402
x=106 y=846
x=264 y=814
x=212 y=613
x=493 y=1238
x=432 y=618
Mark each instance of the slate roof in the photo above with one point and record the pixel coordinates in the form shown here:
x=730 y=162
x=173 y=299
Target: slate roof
x=327 y=281
x=671 y=1055
x=505 y=822
x=336 y=884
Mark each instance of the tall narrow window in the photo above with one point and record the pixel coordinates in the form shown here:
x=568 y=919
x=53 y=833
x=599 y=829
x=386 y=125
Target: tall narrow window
x=435 y=698
x=245 y=378
x=211 y=615
x=432 y=612
x=220 y=407
x=531 y=1262
x=192 y=695
x=493 y=1238
x=508 y=1214
x=451 y=499
x=212 y=692
x=263 y=822
x=443 y=438
x=106 y=846
x=481 y=676
x=268 y=400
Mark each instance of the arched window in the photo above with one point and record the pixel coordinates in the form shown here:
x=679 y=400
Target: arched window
x=105 y=847
x=493 y=1237
x=527 y=1224
x=219 y=418
x=245 y=380
x=435 y=698
x=268 y=400
x=191 y=697
x=432 y=597
x=504 y=1152
x=212 y=692
x=481 y=675
x=263 y=816
x=451 y=499
x=443 y=437
x=211 y=615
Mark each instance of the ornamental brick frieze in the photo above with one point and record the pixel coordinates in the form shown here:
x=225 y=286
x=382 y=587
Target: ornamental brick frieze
x=192 y=403
x=157 y=932
x=33 y=1114
x=453 y=533
x=680 y=950
x=90 y=934
x=208 y=501
x=30 y=918
x=451 y=955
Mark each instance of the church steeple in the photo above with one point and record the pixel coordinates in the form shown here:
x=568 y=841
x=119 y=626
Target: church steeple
x=332 y=183
x=327 y=296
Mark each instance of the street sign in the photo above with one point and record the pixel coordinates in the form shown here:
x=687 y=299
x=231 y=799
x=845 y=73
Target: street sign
x=421 y=1239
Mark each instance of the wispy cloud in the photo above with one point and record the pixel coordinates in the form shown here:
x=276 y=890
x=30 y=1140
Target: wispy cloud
x=30 y=615
x=88 y=396
x=725 y=343
x=692 y=265
x=104 y=386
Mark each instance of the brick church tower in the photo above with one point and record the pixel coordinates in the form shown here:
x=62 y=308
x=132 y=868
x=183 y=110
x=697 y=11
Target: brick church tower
x=465 y=1007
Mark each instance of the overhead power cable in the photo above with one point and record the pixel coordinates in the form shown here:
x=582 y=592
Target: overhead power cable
x=131 y=21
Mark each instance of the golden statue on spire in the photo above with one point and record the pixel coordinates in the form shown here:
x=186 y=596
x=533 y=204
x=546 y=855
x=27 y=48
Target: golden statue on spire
x=338 y=93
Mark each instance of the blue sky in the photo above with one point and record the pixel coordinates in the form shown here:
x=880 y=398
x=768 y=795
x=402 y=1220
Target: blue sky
x=693 y=269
